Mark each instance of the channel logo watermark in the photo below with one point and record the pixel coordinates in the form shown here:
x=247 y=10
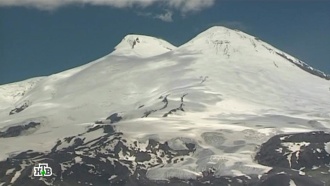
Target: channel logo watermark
x=42 y=170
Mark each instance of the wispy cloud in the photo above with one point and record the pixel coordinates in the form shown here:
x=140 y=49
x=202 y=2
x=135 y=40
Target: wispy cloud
x=54 y=4
x=180 y=5
x=189 y=5
x=167 y=16
x=144 y=14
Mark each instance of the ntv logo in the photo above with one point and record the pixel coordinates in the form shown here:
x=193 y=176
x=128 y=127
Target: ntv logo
x=42 y=170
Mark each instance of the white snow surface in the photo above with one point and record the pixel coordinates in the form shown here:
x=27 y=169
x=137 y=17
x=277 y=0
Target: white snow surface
x=11 y=93
x=327 y=147
x=238 y=92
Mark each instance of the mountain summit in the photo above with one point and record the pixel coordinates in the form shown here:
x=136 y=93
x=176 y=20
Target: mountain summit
x=228 y=43
x=224 y=107
x=143 y=46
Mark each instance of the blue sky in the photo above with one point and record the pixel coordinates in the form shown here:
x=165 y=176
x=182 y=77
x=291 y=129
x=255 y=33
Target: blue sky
x=42 y=37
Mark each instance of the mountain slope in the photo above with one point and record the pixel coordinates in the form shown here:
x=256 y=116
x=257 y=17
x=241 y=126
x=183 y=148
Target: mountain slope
x=210 y=102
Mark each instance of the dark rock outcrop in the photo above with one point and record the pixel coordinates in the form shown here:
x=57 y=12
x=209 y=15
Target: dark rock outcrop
x=105 y=160
x=18 y=130
x=18 y=109
x=301 y=151
x=176 y=109
x=114 y=118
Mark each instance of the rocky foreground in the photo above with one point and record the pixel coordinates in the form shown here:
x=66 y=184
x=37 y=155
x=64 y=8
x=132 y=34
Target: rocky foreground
x=301 y=159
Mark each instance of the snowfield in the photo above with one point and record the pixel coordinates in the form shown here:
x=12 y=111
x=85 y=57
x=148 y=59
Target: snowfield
x=206 y=105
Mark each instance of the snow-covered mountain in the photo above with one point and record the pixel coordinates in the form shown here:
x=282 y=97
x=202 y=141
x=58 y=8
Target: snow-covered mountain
x=150 y=112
